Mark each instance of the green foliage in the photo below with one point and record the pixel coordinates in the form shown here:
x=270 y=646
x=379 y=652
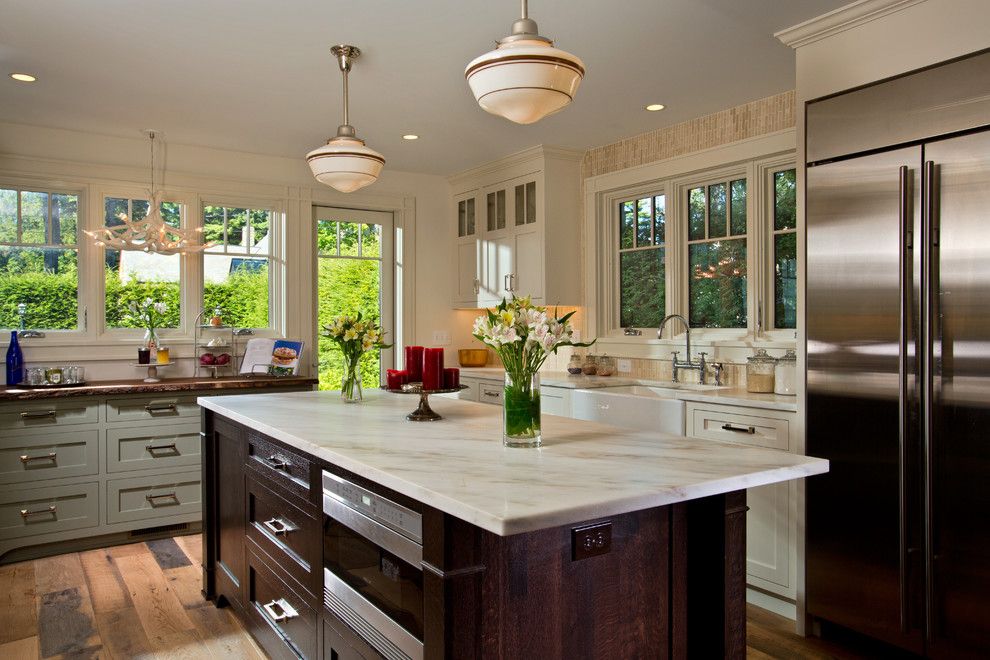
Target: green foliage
x=119 y=297
x=641 y=288
x=243 y=298
x=718 y=284
x=347 y=286
x=51 y=299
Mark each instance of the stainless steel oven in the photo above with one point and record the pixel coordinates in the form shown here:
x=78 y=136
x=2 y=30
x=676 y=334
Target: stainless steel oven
x=372 y=572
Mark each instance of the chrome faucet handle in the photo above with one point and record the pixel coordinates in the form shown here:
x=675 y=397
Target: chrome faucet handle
x=718 y=368
x=702 y=354
x=674 y=354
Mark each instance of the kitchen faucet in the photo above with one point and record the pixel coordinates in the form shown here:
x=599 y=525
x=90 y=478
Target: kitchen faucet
x=26 y=334
x=689 y=363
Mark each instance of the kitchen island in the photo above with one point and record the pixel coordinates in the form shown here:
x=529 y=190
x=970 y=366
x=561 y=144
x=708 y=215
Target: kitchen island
x=604 y=543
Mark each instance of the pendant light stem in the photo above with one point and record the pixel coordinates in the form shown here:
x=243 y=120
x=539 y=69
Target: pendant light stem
x=346 y=99
x=525 y=9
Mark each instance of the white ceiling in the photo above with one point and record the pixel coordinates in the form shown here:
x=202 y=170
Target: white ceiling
x=257 y=76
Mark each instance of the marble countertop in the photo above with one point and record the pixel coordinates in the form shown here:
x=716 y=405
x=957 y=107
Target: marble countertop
x=583 y=471
x=105 y=387
x=731 y=397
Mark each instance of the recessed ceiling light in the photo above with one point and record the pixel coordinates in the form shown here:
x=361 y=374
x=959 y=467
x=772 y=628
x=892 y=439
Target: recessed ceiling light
x=23 y=77
x=653 y=107
x=410 y=136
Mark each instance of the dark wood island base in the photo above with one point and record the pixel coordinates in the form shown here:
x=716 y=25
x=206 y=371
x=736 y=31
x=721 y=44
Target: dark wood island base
x=663 y=582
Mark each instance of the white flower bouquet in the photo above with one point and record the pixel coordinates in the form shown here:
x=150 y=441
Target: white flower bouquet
x=150 y=315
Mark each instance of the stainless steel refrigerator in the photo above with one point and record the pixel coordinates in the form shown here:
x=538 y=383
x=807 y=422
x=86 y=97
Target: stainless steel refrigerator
x=898 y=331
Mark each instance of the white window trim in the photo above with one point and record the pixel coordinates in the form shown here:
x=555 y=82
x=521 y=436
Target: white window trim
x=765 y=171
x=673 y=177
x=81 y=190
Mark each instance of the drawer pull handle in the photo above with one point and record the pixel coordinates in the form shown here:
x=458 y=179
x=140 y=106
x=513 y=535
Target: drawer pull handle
x=151 y=449
x=50 y=511
x=153 y=499
x=168 y=407
x=739 y=429
x=38 y=414
x=277 y=463
x=285 y=612
x=50 y=456
x=278 y=526
x=493 y=395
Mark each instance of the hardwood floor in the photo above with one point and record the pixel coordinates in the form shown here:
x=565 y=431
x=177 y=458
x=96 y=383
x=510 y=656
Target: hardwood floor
x=143 y=601
x=131 y=601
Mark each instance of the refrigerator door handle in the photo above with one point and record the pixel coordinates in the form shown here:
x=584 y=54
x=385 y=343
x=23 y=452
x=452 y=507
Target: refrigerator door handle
x=929 y=304
x=906 y=218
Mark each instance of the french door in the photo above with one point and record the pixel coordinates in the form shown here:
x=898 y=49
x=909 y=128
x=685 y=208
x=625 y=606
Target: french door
x=355 y=272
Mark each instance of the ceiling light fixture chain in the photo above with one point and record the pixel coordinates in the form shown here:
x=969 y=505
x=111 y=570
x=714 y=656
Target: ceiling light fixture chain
x=525 y=78
x=345 y=162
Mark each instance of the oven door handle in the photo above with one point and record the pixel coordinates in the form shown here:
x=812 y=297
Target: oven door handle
x=400 y=546
x=376 y=627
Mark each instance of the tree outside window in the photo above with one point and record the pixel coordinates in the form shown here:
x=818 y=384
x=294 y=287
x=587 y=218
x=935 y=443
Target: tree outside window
x=716 y=222
x=642 y=261
x=785 y=249
x=39 y=259
x=237 y=270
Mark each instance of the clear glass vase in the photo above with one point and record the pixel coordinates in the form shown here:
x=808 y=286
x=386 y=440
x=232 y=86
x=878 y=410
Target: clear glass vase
x=151 y=339
x=521 y=411
x=350 y=387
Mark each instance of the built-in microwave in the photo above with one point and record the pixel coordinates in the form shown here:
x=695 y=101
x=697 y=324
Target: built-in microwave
x=372 y=567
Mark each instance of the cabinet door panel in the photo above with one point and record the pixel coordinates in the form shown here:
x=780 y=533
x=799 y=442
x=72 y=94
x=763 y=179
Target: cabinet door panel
x=528 y=268
x=767 y=542
x=467 y=272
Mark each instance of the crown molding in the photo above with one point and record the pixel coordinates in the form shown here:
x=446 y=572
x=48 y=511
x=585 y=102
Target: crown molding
x=839 y=20
x=530 y=155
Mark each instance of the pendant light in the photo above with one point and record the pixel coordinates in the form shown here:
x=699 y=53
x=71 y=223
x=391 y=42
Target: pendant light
x=344 y=162
x=150 y=233
x=525 y=78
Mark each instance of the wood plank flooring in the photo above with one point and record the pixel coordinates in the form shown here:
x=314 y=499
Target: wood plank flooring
x=143 y=601
x=131 y=601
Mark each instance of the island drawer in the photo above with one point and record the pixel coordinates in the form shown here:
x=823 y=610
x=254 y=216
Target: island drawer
x=489 y=392
x=146 y=409
x=277 y=606
x=48 y=414
x=291 y=535
x=763 y=431
x=153 y=447
x=284 y=467
x=154 y=496
x=51 y=509
x=36 y=457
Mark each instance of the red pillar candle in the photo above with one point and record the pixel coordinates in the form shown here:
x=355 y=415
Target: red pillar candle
x=414 y=363
x=451 y=378
x=396 y=378
x=433 y=369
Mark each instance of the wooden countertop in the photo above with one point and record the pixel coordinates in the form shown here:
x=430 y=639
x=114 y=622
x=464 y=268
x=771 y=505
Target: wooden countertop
x=104 y=387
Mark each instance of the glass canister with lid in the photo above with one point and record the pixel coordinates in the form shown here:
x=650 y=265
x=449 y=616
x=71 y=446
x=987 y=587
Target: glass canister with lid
x=606 y=365
x=760 y=372
x=785 y=374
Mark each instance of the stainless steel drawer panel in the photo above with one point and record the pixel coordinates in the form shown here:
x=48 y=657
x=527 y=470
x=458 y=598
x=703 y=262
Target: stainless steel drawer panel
x=46 y=510
x=154 y=496
x=750 y=429
x=49 y=414
x=490 y=393
x=27 y=458
x=153 y=447
x=152 y=408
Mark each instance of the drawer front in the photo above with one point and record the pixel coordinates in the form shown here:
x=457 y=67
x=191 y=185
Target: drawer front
x=47 y=510
x=154 y=496
x=280 y=607
x=288 y=533
x=734 y=427
x=471 y=393
x=342 y=643
x=152 y=447
x=282 y=466
x=166 y=408
x=490 y=393
x=49 y=414
x=50 y=456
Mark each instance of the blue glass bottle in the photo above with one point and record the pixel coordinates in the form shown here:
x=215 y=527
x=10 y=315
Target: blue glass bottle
x=15 y=361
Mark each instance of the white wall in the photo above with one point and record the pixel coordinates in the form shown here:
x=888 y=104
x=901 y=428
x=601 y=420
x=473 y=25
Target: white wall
x=57 y=156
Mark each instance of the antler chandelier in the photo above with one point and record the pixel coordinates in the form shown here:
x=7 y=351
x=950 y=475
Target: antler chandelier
x=150 y=233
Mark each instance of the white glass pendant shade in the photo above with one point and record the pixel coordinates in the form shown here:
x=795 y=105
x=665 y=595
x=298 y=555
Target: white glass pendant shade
x=525 y=80
x=345 y=164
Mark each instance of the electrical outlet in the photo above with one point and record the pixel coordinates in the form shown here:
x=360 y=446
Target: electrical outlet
x=441 y=338
x=625 y=366
x=591 y=541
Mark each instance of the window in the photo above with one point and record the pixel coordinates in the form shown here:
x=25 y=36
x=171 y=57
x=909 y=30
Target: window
x=132 y=276
x=237 y=271
x=785 y=249
x=716 y=222
x=39 y=259
x=642 y=265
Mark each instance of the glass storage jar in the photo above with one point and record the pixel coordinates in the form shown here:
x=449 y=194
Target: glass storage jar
x=590 y=366
x=785 y=374
x=574 y=365
x=606 y=365
x=759 y=372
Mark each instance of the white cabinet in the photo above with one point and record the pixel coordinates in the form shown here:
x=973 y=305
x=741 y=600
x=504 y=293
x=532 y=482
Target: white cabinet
x=525 y=211
x=555 y=400
x=771 y=523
